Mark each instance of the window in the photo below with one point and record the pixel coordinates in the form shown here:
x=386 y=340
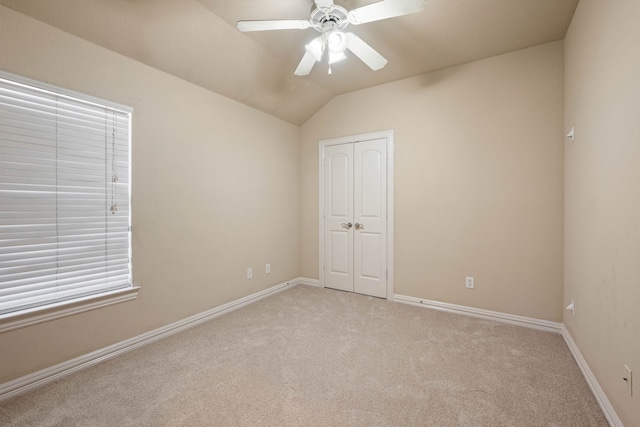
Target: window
x=64 y=197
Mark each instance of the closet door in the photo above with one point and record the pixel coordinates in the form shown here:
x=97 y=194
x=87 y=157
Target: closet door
x=370 y=218
x=338 y=217
x=355 y=217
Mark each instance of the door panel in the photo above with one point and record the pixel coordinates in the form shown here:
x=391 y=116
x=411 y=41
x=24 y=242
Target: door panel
x=339 y=170
x=370 y=217
x=371 y=249
x=370 y=203
x=338 y=210
x=340 y=246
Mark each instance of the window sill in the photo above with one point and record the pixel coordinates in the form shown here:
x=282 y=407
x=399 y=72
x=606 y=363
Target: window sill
x=21 y=319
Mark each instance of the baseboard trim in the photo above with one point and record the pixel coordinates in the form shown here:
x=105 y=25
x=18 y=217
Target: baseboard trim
x=309 y=282
x=597 y=391
x=512 y=319
x=53 y=373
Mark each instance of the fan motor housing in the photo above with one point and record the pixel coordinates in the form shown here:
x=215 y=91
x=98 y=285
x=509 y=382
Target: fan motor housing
x=335 y=18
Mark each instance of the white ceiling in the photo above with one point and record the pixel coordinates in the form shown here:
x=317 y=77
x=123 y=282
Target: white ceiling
x=196 y=40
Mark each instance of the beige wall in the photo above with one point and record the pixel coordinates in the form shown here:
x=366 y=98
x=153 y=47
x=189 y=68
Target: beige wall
x=602 y=194
x=215 y=190
x=478 y=172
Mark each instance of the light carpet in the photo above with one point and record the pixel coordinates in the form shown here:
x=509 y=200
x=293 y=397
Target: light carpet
x=316 y=357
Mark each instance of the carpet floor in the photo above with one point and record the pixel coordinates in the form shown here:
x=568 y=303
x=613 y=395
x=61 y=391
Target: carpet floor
x=316 y=357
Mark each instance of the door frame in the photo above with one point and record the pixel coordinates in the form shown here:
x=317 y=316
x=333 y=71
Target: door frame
x=388 y=135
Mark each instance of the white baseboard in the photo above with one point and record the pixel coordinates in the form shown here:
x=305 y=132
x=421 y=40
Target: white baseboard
x=308 y=282
x=513 y=319
x=600 y=395
x=47 y=375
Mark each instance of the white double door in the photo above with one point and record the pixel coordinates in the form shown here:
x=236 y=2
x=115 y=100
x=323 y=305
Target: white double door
x=355 y=217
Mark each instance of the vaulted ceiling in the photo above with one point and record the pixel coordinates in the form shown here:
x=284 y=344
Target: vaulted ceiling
x=196 y=40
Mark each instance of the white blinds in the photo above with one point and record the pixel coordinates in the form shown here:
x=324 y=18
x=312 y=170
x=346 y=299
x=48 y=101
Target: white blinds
x=64 y=197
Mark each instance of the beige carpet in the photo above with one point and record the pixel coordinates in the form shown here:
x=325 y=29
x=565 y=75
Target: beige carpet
x=310 y=356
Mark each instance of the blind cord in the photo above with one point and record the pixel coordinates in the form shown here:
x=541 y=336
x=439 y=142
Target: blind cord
x=57 y=203
x=114 y=174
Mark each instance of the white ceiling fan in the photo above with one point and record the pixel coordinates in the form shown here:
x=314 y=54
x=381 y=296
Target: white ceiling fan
x=331 y=20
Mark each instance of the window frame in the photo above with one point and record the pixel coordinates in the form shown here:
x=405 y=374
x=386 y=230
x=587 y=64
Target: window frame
x=56 y=310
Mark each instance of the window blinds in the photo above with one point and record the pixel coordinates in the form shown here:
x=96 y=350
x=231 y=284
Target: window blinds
x=64 y=197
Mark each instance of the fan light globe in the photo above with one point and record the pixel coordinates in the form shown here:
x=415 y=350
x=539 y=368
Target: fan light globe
x=337 y=41
x=315 y=48
x=336 y=57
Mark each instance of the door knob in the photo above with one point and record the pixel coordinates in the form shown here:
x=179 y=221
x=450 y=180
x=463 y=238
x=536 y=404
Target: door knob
x=359 y=226
x=347 y=226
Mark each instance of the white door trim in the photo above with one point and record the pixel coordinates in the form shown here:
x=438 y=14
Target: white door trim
x=389 y=136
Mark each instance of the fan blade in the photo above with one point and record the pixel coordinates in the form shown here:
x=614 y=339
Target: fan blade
x=324 y=4
x=292 y=24
x=385 y=9
x=305 y=65
x=366 y=53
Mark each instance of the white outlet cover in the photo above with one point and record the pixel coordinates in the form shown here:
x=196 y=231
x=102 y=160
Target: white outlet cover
x=249 y=273
x=470 y=283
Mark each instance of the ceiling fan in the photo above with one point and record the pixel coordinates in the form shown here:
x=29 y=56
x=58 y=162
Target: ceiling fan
x=330 y=20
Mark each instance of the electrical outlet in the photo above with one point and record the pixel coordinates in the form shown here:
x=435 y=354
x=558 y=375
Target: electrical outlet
x=628 y=379
x=470 y=283
x=249 y=273
x=267 y=269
